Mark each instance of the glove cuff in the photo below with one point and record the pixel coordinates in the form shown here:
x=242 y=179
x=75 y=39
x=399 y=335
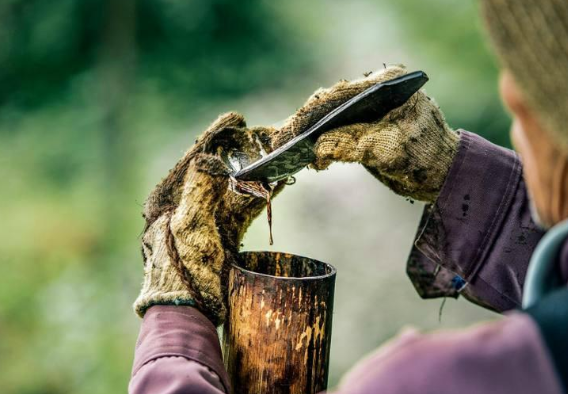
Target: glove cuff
x=438 y=151
x=151 y=298
x=421 y=167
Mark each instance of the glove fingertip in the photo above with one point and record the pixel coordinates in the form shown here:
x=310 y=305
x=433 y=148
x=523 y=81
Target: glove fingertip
x=321 y=163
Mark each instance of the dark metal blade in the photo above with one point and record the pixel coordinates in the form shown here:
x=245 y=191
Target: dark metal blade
x=368 y=106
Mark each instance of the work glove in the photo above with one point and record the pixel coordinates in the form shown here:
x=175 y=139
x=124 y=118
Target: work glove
x=410 y=150
x=195 y=221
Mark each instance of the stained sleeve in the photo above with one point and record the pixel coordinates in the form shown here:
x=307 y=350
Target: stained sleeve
x=477 y=238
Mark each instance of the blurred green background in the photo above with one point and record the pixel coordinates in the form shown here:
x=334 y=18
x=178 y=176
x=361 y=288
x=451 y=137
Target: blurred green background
x=98 y=99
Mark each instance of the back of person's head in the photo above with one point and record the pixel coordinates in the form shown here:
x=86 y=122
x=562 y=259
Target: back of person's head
x=530 y=38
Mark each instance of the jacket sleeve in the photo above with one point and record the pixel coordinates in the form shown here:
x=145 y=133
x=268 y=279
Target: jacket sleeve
x=177 y=351
x=477 y=238
x=505 y=356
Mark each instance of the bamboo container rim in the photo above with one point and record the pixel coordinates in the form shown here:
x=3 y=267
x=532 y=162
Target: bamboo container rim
x=331 y=268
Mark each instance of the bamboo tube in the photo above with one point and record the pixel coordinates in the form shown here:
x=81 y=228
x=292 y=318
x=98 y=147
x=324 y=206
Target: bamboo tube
x=277 y=336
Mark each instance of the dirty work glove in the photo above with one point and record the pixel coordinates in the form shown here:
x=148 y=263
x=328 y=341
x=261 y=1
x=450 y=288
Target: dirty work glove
x=410 y=150
x=195 y=223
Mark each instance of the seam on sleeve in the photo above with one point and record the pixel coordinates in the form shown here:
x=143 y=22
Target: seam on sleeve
x=196 y=355
x=206 y=324
x=466 y=142
x=173 y=355
x=480 y=278
x=158 y=356
x=489 y=239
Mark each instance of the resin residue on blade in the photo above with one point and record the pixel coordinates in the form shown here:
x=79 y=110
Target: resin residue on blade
x=256 y=189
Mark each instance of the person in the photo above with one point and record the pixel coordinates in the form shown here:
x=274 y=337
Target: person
x=487 y=209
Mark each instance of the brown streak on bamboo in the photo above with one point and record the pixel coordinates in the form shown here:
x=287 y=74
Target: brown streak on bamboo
x=277 y=336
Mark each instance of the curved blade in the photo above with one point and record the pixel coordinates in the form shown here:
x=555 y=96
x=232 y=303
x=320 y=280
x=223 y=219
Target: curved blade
x=368 y=106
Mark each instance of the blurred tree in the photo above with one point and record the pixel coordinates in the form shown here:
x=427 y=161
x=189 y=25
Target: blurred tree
x=462 y=59
x=77 y=80
x=211 y=48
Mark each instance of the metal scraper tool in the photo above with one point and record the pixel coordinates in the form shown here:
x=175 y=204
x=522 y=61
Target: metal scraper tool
x=369 y=106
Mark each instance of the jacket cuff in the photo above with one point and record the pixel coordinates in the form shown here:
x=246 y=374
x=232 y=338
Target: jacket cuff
x=180 y=331
x=458 y=231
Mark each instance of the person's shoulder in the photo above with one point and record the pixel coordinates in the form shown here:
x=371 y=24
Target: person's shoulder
x=502 y=356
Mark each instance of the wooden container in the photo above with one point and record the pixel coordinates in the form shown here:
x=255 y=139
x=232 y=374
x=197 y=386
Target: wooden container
x=277 y=335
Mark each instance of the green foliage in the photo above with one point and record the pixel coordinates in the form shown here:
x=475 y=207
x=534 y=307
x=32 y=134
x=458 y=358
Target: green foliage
x=450 y=34
x=87 y=89
x=215 y=48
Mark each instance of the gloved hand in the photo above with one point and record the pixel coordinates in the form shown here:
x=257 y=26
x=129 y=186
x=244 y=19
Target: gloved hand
x=195 y=223
x=410 y=150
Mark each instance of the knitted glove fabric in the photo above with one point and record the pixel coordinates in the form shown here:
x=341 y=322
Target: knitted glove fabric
x=195 y=223
x=410 y=150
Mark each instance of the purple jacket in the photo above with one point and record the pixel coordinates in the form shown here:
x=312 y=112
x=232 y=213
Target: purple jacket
x=475 y=241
